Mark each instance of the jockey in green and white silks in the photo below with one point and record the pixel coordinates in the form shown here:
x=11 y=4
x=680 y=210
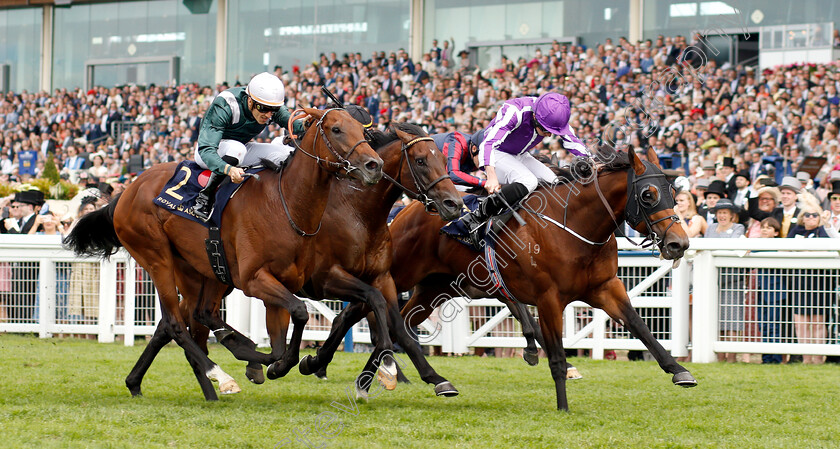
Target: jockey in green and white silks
x=235 y=117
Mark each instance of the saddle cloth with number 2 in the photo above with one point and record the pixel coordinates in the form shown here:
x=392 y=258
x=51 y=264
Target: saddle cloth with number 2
x=179 y=194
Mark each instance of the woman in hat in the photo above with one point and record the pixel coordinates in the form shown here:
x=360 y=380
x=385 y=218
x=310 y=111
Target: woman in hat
x=731 y=283
x=811 y=289
x=98 y=169
x=726 y=215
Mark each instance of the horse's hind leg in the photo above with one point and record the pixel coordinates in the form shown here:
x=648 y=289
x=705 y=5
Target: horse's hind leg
x=159 y=262
x=613 y=299
x=531 y=332
x=160 y=339
x=551 y=323
x=520 y=312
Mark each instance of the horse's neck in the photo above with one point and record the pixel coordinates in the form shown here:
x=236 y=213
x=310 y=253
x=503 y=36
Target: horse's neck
x=586 y=209
x=377 y=200
x=305 y=187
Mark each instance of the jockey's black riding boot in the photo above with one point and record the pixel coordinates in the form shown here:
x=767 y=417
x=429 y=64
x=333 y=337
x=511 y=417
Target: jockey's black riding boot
x=207 y=197
x=493 y=205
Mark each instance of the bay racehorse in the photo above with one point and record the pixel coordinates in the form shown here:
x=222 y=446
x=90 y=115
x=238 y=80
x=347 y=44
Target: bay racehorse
x=267 y=231
x=354 y=251
x=547 y=264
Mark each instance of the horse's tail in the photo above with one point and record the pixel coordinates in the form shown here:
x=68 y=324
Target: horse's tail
x=94 y=234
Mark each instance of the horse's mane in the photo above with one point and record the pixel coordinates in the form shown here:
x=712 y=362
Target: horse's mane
x=616 y=160
x=379 y=139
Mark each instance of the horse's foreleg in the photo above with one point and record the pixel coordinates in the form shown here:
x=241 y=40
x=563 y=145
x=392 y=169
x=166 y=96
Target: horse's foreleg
x=340 y=284
x=419 y=307
x=613 y=299
x=551 y=323
x=265 y=286
x=342 y=324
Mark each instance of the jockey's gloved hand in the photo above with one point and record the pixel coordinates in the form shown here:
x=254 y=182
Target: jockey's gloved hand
x=582 y=167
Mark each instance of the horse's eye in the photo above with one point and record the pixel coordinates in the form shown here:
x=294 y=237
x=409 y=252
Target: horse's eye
x=420 y=161
x=649 y=197
x=336 y=130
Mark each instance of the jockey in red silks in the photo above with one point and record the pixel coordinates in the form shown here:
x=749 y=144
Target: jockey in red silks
x=461 y=150
x=512 y=172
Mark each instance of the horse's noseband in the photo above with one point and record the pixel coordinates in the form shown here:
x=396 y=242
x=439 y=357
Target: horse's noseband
x=422 y=193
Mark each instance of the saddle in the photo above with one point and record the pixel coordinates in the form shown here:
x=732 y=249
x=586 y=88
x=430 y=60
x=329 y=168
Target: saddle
x=179 y=194
x=484 y=242
x=459 y=232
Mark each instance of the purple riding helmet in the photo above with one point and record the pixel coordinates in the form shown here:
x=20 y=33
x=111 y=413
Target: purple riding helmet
x=552 y=112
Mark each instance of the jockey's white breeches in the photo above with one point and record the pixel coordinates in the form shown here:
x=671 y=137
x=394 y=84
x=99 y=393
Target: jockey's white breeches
x=250 y=154
x=524 y=169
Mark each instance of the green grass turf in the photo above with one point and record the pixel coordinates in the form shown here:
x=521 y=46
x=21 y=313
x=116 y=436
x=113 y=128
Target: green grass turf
x=71 y=393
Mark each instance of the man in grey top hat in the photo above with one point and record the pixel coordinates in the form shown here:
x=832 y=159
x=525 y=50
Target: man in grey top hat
x=786 y=212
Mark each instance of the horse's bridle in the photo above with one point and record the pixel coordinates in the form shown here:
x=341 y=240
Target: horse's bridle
x=343 y=163
x=640 y=209
x=422 y=193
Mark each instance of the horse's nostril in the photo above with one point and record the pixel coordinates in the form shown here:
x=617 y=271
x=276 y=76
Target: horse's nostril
x=372 y=166
x=449 y=204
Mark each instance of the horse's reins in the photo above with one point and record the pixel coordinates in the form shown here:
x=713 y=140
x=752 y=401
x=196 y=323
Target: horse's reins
x=422 y=191
x=342 y=164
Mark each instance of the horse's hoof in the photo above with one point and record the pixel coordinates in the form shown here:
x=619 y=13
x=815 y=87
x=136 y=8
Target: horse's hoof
x=304 y=366
x=321 y=373
x=361 y=393
x=278 y=369
x=572 y=373
x=445 y=388
x=272 y=371
x=533 y=358
x=136 y=394
x=229 y=387
x=387 y=375
x=684 y=379
x=255 y=375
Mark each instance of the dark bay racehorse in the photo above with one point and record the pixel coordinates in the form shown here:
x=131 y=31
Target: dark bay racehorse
x=354 y=251
x=267 y=232
x=549 y=267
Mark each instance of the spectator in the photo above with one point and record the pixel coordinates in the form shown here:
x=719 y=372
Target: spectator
x=83 y=299
x=731 y=291
x=812 y=289
x=766 y=200
x=787 y=212
x=771 y=294
x=693 y=224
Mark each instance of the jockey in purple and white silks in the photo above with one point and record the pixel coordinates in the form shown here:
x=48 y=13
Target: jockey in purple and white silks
x=512 y=172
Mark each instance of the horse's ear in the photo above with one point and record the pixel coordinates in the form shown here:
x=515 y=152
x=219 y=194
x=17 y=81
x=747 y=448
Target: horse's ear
x=637 y=164
x=404 y=136
x=653 y=157
x=315 y=113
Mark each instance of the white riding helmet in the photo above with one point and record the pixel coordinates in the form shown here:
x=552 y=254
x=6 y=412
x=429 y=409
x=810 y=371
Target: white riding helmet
x=265 y=88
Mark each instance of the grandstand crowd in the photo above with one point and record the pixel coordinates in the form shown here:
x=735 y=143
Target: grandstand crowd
x=730 y=128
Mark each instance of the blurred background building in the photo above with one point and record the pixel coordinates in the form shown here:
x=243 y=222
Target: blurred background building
x=46 y=44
